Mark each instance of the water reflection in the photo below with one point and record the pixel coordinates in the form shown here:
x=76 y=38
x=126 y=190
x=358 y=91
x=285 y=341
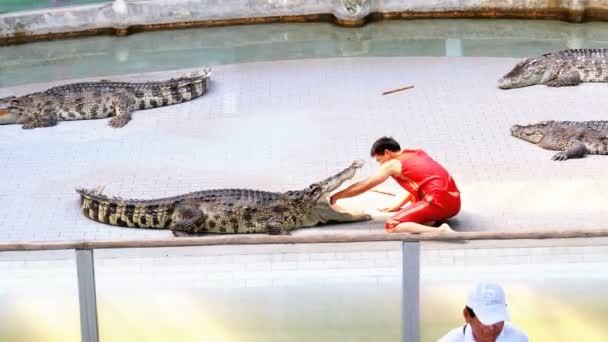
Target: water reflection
x=163 y=50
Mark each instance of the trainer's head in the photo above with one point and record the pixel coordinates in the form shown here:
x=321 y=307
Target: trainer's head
x=384 y=149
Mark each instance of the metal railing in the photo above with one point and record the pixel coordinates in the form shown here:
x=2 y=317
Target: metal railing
x=410 y=303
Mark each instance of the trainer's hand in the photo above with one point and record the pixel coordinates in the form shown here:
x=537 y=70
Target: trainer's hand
x=333 y=198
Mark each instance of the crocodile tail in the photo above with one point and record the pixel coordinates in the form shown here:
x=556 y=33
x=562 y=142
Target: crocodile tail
x=190 y=86
x=126 y=213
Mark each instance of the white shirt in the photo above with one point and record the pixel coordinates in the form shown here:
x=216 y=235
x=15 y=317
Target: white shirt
x=509 y=333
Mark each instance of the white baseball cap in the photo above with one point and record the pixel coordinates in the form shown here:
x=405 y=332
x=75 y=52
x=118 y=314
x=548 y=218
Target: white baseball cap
x=488 y=302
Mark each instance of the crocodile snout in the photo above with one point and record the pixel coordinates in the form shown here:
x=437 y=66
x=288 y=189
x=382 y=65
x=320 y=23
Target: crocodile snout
x=7 y=117
x=504 y=83
x=515 y=128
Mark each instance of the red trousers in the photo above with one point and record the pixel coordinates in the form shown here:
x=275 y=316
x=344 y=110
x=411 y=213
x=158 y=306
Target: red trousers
x=436 y=207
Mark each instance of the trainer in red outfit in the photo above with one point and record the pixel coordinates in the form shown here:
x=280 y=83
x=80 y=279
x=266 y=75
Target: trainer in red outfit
x=432 y=193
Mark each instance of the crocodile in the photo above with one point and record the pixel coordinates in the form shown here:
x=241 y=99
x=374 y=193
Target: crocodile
x=225 y=210
x=100 y=99
x=558 y=69
x=573 y=139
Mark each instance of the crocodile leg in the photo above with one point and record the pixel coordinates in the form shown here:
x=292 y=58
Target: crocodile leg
x=575 y=149
x=37 y=120
x=123 y=107
x=185 y=218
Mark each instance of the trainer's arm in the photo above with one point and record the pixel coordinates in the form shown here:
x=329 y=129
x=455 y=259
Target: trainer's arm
x=362 y=186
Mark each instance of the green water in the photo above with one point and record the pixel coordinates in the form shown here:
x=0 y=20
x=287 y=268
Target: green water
x=23 y=5
x=176 y=49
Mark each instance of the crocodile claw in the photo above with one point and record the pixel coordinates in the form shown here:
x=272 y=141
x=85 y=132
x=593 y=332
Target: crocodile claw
x=560 y=156
x=119 y=121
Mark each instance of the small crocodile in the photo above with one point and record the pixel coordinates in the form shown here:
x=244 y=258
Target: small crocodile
x=558 y=69
x=573 y=139
x=225 y=210
x=100 y=99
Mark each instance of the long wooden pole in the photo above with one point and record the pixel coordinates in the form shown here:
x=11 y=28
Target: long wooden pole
x=333 y=237
x=396 y=90
x=382 y=192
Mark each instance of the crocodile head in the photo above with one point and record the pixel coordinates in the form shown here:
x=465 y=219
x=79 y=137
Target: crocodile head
x=321 y=190
x=533 y=133
x=313 y=199
x=528 y=72
x=8 y=112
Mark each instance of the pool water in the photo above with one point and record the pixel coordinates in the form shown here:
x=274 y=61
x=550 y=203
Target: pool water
x=23 y=5
x=187 y=48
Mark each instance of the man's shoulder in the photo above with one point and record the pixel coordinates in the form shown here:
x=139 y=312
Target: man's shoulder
x=393 y=166
x=512 y=333
x=454 y=335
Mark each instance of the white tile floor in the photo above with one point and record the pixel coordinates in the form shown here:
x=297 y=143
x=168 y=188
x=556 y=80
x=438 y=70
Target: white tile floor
x=283 y=125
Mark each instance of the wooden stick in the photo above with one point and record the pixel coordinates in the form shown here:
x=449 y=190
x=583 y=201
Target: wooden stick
x=382 y=192
x=396 y=90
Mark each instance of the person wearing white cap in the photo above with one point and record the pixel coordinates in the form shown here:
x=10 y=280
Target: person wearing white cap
x=486 y=315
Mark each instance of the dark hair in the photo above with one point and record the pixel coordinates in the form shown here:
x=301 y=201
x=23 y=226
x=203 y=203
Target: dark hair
x=385 y=143
x=470 y=311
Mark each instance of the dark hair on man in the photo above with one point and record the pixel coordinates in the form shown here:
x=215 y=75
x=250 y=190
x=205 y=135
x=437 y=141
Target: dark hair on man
x=385 y=143
x=470 y=311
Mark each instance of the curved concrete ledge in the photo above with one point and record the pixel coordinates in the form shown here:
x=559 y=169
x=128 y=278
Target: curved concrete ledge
x=121 y=18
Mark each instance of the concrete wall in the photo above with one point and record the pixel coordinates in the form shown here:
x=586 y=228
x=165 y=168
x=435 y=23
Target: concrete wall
x=122 y=17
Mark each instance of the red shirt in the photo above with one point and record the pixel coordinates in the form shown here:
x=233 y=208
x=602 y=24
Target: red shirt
x=424 y=178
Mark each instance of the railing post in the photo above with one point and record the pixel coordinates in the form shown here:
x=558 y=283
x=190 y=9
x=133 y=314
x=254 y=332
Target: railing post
x=410 y=295
x=89 y=331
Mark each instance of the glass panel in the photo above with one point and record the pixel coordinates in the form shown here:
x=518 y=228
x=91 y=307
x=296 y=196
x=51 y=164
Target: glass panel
x=328 y=292
x=39 y=297
x=554 y=293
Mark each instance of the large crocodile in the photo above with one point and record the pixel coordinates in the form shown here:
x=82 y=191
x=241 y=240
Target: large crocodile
x=225 y=210
x=558 y=69
x=101 y=99
x=573 y=139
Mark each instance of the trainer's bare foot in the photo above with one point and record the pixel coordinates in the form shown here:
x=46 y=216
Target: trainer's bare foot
x=445 y=228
